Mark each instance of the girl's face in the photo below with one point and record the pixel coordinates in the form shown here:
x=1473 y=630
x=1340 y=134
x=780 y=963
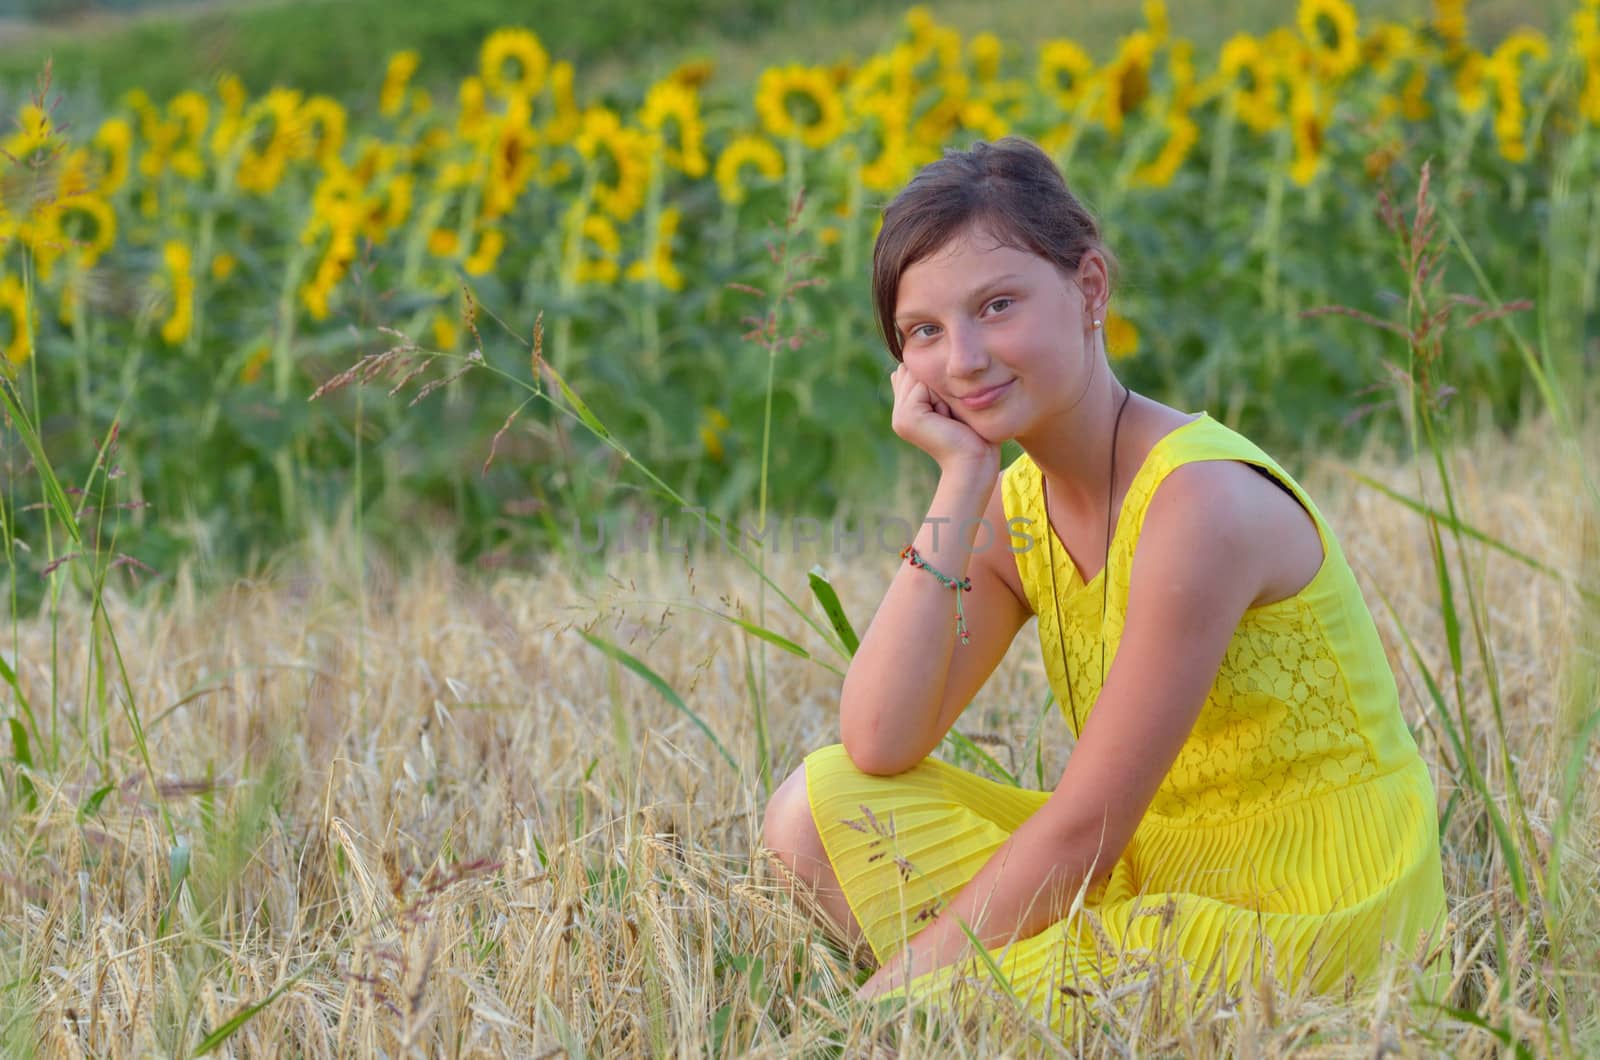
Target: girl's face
x=999 y=333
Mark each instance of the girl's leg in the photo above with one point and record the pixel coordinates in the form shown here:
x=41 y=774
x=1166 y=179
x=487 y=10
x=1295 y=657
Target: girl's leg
x=790 y=834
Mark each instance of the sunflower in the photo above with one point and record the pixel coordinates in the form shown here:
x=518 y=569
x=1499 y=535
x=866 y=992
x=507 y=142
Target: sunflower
x=671 y=102
x=491 y=241
x=190 y=113
x=1450 y=23
x=1065 y=72
x=230 y=118
x=35 y=133
x=113 y=142
x=445 y=332
x=986 y=51
x=223 y=265
x=886 y=164
x=1127 y=79
x=522 y=47
x=604 y=138
x=390 y=208
x=567 y=120
x=890 y=74
x=1155 y=17
x=597 y=232
x=511 y=160
x=693 y=73
x=1504 y=70
x=160 y=139
x=1251 y=81
x=250 y=371
x=1329 y=28
x=1586 y=39
x=89 y=225
x=472 y=112
x=800 y=101
x=661 y=268
x=1122 y=336
x=323 y=120
x=1309 y=122
x=711 y=428
x=179 y=278
x=746 y=150
x=1472 y=90
x=14 y=305
x=392 y=96
x=1386 y=45
x=266 y=155
x=1182 y=135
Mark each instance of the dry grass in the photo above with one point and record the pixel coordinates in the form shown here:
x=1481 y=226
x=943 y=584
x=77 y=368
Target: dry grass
x=442 y=824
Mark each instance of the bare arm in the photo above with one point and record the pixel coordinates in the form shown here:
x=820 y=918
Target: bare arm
x=1200 y=562
x=911 y=677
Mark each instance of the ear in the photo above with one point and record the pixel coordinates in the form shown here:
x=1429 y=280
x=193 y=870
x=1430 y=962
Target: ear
x=1095 y=281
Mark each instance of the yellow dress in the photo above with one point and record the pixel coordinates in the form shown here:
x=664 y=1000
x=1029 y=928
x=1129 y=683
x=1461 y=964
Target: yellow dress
x=1296 y=832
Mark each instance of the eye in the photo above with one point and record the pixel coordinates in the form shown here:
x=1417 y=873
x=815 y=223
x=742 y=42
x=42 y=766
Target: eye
x=916 y=332
x=1001 y=302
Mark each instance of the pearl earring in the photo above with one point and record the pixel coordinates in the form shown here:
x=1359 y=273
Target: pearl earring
x=1097 y=323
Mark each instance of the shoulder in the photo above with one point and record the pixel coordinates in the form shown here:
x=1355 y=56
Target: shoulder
x=1212 y=522
x=1225 y=523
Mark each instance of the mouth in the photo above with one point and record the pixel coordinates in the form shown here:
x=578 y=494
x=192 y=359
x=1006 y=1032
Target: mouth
x=984 y=398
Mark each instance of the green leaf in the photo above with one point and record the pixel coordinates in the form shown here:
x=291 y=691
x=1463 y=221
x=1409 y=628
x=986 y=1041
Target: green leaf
x=232 y=1024
x=769 y=636
x=1429 y=512
x=91 y=805
x=23 y=753
x=823 y=590
x=19 y=743
x=54 y=494
x=9 y=676
x=1447 y=598
x=585 y=414
x=983 y=756
x=655 y=681
x=1467 y=1016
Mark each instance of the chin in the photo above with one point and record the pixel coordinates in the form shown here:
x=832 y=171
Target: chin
x=997 y=433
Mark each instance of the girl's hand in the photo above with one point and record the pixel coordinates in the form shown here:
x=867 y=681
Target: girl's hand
x=926 y=420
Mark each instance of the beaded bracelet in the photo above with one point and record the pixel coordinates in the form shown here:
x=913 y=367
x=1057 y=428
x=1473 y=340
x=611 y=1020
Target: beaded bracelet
x=964 y=585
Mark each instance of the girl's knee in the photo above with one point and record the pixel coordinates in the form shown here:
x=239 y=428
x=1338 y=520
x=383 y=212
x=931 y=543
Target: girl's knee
x=787 y=828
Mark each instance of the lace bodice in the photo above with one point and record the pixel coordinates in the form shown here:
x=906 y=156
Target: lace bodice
x=1304 y=703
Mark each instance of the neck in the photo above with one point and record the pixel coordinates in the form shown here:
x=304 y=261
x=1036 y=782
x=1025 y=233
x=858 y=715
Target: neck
x=1073 y=450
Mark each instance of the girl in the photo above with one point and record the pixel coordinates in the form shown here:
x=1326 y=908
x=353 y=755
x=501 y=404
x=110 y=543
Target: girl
x=1243 y=796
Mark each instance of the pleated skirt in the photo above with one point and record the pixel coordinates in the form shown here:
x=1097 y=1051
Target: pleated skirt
x=1331 y=894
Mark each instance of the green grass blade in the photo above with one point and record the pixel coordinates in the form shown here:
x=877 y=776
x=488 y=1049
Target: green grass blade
x=91 y=805
x=823 y=590
x=229 y=1027
x=758 y=712
x=657 y=682
x=1447 y=599
x=1429 y=512
x=54 y=494
x=1467 y=1016
x=1475 y=779
x=590 y=420
x=769 y=636
x=968 y=747
x=21 y=751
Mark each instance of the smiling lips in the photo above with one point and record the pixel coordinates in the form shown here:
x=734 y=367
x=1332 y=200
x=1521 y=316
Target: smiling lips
x=984 y=398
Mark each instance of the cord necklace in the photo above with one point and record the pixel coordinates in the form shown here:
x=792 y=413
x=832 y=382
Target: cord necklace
x=1105 y=573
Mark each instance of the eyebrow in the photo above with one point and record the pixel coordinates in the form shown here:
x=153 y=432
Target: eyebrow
x=998 y=281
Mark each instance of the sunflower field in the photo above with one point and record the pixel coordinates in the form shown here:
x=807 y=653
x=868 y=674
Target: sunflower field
x=192 y=269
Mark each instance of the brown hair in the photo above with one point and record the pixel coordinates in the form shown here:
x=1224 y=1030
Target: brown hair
x=1010 y=186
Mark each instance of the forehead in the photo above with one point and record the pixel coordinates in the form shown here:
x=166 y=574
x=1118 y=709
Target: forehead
x=964 y=264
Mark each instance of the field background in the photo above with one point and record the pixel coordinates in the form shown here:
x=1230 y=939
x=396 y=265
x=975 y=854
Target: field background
x=326 y=734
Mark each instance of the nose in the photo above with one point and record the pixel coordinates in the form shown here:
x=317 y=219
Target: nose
x=966 y=355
